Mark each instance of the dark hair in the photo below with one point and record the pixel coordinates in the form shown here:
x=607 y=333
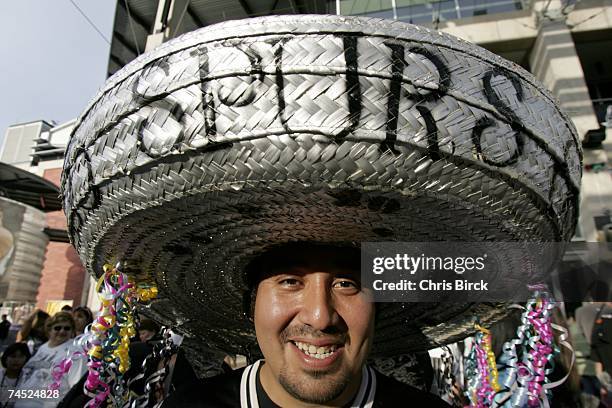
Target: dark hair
x=35 y=325
x=148 y=324
x=290 y=254
x=86 y=311
x=66 y=308
x=13 y=349
x=503 y=331
x=599 y=291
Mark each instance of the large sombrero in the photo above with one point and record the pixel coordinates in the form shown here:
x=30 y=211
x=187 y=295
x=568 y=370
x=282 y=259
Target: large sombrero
x=248 y=134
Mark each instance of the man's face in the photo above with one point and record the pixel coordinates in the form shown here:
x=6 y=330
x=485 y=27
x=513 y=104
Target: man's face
x=314 y=325
x=145 y=334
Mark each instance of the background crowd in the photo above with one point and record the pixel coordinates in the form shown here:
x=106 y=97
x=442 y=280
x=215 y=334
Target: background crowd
x=41 y=343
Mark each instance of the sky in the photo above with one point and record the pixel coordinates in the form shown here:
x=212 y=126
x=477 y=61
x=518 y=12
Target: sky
x=52 y=61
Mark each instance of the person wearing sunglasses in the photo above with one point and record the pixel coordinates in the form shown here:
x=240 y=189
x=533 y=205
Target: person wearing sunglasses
x=38 y=371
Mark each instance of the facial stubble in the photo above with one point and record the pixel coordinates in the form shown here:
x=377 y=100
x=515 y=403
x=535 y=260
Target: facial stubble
x=319 y=387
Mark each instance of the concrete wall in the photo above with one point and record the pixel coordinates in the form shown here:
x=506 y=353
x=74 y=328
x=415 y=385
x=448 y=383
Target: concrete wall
x=18 y=142
x=590 y=15
x=555 y=63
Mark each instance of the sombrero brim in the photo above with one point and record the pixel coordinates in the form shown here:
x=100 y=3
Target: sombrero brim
x=246 y=135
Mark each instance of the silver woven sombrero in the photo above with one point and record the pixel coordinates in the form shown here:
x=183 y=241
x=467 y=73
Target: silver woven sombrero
x=240 y=136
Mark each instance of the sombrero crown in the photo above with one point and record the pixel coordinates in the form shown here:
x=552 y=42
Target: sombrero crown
x=240 y=136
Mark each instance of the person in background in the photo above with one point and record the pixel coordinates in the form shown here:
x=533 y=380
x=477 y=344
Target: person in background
x=38 y=370
x=5 y=325
x=567 y=394
x=589 y=322
x=589 y=384
x=601 y=351
x=66 y=308
x=147 y=330
x=13 y=359
x=83 y=317
x=33 y=330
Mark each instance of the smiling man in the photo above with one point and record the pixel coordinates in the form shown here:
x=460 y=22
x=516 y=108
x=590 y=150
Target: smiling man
x=315 y=327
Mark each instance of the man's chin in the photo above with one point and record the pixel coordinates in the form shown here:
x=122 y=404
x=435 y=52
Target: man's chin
x=315 y=386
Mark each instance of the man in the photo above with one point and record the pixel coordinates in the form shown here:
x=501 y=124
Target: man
x=5 y=325
x=315 y=327
x=147 y=330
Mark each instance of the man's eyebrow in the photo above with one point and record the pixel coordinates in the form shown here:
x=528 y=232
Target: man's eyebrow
x=353 y=275
x=304 y=270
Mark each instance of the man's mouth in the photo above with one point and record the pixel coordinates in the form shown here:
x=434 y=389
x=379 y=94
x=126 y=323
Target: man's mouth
x=318 y=352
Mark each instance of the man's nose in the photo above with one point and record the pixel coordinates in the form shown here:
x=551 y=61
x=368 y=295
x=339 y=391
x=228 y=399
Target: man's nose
x=318 y=310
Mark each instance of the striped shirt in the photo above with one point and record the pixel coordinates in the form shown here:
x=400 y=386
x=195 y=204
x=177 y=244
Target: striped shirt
x=251 y=390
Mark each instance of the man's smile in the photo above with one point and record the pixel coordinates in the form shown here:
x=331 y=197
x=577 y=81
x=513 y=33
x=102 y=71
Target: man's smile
x=320 y=352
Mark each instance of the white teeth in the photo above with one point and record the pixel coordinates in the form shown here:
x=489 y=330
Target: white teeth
x=314 y=351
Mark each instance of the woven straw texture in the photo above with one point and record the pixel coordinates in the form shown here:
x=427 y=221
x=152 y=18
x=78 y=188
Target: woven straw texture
x=230 y=139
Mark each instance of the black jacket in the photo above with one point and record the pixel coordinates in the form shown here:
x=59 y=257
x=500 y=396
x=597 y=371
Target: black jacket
x=223 y=391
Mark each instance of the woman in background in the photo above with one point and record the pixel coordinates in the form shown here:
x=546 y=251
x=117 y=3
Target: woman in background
x=38 y=370
x=82 y=318
x=13 y=359
x=33 y=331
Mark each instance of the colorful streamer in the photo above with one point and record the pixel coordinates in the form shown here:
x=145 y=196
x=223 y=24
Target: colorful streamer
x=529 y=358
x=106 y=341
x=482 y=373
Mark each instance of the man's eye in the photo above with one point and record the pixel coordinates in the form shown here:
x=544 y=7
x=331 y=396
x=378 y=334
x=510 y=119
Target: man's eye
x=345 y=284
x=290 y=282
